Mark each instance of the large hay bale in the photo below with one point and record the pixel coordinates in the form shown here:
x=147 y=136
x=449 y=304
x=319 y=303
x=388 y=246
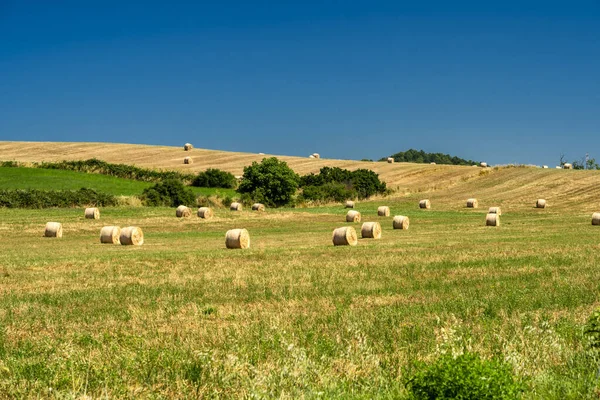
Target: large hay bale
x=188 y=160
x=596 y=218
x=110 y=234
x=131 y=236
x=472 y=203
x=483 y=164
x=390 y=160
x=492 y=220
x=383 y=211
x=53 y=229
x=235 y=206
x=316 y=155
x=371 y=230
x=205 y=212
x=237 y=239
x=349 y=204
x=188 y=146
x=401 y=222
x=495 y=210
x=345 y=236
x=541 y=203
x=258 y=207
x=425 y=204
x=92 y=213
x=568 y=166
x=183 y=212
x=353 y=216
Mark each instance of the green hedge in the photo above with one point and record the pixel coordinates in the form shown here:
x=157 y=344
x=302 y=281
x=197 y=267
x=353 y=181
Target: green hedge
x=33 y=198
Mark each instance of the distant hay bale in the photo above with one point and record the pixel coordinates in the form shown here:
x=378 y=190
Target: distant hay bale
x=495 y=210
x=349 y=204
x=235 y=206
x=371 y=230
x=345 y=236
x=401 y=222
x=353 y=216
x=596 y=218
x=316 y=155
x=541 y=203
x=425 y=204
x=492 y=220
x=557 y=167
x=311 y=156
x=567 y=166
x=237 y=239
x=53 y=229
x=483 y=164
x=188 y=146
x=544 y=166
x=183 y=212
x=131 y=236
x=205 y=212
x=92 y=213
x=432 y=163
x=390 y=160
x=258 y=207
x=472 y=203
x=383 y=211
x=110 y=234
x=188 y=160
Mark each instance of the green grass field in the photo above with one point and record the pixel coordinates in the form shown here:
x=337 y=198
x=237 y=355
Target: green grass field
x=293 y=316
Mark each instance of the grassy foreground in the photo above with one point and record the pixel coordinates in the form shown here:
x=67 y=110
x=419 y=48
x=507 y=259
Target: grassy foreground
x=293 y=316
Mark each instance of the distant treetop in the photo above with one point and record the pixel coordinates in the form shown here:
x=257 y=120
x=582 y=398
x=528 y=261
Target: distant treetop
x=419 y=156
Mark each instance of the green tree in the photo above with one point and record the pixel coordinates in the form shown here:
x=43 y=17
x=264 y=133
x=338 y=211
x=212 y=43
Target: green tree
x=169 y=193
x=215 y=178
x=270 y=182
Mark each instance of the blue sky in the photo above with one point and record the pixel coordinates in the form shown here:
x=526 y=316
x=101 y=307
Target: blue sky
x=512 y=82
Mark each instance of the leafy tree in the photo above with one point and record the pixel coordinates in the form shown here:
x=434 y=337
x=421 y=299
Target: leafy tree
x=337 y=184
x=169 y=193
x=419 y=156
x=214 y=178
x=270 y=182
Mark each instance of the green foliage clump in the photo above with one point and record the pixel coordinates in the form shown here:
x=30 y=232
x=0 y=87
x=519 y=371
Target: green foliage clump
x=33 y=198
x=419 y=156
x=169 y=193
x=336 y=184
x=215 y=178
x=271 y=182
x=592 y=330
x=464 y=377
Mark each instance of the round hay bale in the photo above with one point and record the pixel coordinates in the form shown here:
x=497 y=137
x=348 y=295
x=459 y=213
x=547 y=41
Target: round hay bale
x=383 y=211
x=425 y=204
x=183 y=212
x=353 y=216
x=390 y=160
x=311 y=156
x=541 y=203
x=432 y=163
x=110 y=234
x=400 y=222
x=568 y=166
x=235 y=206
x=472 y=203
x=596 y=219
x=492 y=220
x=188 y=146
x=345 y=236
x=92 y=213
x=483 y=164
x=205 y=212
x=188 y=160
x=53 y=229
x=316 y=155
x=131 y=236
x=349 y=204
x=371 y=230
x=495 y=210
x=258 y=207
x=237 y=239
x=545 y=166
x=557 y=167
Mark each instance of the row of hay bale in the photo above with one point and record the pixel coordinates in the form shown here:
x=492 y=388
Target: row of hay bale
x=131 y=235
x=207 y=212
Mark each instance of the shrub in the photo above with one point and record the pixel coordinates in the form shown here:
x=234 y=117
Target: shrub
x=270 y=182
x=215 y=178
x=169 y=193
x=336 y=184
x=33 y=198
x=464 y=377
x=328 y=192
x=592 y=330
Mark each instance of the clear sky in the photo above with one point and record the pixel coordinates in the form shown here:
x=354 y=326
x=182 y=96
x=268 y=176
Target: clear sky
x=503 y=81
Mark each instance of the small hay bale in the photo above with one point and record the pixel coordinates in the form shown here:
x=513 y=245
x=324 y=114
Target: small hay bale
x=401 y=222
x=432 y=163
x=568 y=166
x=596 y=218
x=131 y=236
x=353 y=216
x=472 y=203
x=557 y=167
x=188 y=146
x=53 y=229
x=545 y=166
x=541 y=203
x=183 y=212
x=483 y=164
x=258 y=207
x=311 y=156
x=235 y=206
x=92 y=213
x=345 y=236
x=383 y=211
x=371 y=230
x=425 y=204
x=316 y=155
x=188 y=160
x=110 y=234
x=237 y=239
x=495 y=210
x=390 y=160
x=492 y=220
x=205 y=212
x=349 y=204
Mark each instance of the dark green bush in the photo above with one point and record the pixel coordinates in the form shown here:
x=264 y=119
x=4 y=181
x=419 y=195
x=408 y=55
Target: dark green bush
x=33 y=198
x=464 y=377
x=270 y=182
x=419 y=156
x=336 y=184
x=215 y=178
x=328 y=192
x=9 y=164
x=592 y=330
x=169 y=193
